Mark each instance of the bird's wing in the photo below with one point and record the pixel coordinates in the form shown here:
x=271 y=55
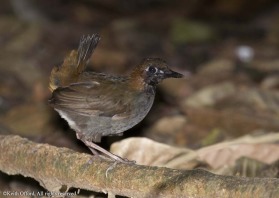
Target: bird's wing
x=90 y=99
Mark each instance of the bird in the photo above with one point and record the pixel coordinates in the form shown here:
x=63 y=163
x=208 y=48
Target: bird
x=98 y=104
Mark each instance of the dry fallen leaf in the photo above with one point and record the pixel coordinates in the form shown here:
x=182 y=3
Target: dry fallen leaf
x=210 y=95
x=27 y=119
x=228 y=154
x=148 y=152
x=232 y=121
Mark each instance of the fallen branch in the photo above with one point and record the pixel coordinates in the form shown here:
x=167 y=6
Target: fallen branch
x=54 y=167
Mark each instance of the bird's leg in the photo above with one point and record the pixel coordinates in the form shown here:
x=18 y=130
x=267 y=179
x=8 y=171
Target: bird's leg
x=93 y=147
x=92 y=150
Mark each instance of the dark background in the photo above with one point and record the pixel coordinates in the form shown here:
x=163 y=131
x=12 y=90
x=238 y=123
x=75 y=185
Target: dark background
x=231 y=47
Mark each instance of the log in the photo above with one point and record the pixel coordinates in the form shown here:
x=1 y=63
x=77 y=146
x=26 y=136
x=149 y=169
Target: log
x=55 y=167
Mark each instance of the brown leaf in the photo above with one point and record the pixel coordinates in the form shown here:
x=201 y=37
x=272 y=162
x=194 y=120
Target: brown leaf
x=148 y=152
x=227 y=155
x=233 y=121
x=210 y=95
x=27 y=119
x=223 y=154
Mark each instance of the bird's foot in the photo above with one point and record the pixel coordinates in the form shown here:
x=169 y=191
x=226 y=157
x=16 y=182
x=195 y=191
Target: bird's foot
x=94 y=148
x=123 y=160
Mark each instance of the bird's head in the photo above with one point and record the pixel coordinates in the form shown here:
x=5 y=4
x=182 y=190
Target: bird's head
x=152 y=71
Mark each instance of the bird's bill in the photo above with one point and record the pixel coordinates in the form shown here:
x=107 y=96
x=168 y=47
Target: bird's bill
x=172 y=74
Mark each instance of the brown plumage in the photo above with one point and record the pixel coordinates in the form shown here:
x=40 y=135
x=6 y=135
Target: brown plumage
x=74 y=63
x=96 y=104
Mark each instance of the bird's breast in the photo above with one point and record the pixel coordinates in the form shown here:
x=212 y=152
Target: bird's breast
x=142 y=105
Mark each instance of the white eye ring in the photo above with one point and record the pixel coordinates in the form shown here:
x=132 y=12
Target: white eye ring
x=152 y=69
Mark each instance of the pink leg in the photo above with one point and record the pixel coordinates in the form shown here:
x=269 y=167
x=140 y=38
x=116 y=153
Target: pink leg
x=93 y=147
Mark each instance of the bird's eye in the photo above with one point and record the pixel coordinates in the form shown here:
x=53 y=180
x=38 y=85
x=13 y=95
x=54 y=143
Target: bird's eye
x=152 y=69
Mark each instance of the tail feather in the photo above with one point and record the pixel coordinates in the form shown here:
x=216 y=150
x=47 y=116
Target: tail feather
x=86 y=47
x=74 y=63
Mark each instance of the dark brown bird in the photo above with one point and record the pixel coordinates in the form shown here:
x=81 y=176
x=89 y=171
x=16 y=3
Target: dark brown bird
x=97 y=104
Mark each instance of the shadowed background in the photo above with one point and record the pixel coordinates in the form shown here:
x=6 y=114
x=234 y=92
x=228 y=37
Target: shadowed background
x=231 y=48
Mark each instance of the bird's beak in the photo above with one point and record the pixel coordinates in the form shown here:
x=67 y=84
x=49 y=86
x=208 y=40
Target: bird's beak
x=172 y=74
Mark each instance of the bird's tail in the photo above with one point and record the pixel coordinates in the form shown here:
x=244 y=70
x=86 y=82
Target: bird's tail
x=74 y=63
